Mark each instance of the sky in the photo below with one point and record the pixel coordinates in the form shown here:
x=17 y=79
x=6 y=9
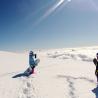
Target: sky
x=43 y=24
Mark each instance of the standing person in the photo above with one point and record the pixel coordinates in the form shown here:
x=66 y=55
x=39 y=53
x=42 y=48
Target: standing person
x=33 y=61
x=95 y=61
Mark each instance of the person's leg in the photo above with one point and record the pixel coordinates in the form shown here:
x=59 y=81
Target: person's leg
x=33 y=69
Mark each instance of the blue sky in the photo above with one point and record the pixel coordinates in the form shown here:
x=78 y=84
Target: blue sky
x=36 y=24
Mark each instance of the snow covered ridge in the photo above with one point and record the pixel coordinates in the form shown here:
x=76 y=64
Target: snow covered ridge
x=84 y=54
x=60 y=74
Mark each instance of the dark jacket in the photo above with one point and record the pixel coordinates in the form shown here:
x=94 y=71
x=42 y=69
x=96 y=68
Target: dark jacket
x=96 y=64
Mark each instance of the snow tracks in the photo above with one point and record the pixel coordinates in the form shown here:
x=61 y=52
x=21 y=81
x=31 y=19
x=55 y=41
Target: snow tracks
x=27 y=89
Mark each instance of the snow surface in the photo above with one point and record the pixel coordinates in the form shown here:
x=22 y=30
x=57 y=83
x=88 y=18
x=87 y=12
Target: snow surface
x=61 y=73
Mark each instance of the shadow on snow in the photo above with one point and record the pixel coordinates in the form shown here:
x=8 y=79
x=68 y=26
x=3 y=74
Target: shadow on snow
x=20 y=75
x=27 y=73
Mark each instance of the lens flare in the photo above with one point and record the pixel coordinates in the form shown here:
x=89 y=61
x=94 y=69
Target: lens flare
x=52 y=9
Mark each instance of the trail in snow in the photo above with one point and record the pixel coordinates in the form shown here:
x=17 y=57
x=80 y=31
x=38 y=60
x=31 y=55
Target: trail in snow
x=27 y=89
x=72 y=87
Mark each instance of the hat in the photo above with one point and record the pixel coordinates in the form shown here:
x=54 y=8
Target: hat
x=31 y=53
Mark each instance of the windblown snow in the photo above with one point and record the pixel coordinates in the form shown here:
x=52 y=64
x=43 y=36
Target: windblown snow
x=61 y=73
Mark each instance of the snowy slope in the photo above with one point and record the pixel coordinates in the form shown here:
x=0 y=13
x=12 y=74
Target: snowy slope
x=61 y=73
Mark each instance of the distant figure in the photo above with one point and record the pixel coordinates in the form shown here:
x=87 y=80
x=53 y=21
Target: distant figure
x=33 y=62
x=95 y=61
